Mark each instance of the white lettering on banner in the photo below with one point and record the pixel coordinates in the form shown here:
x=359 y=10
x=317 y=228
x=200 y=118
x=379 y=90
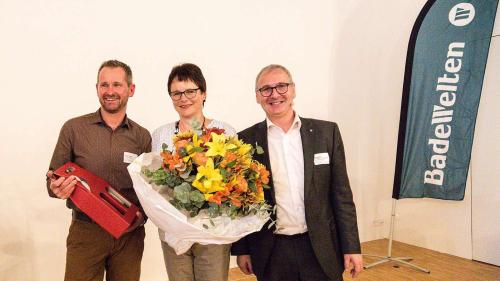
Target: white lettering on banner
x=442 y=113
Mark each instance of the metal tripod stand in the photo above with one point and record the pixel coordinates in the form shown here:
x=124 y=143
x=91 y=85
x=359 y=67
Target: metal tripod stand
x=389 y=257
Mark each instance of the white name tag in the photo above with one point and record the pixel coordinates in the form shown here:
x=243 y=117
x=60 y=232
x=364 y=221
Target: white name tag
x=129 y=157
x=321 y=158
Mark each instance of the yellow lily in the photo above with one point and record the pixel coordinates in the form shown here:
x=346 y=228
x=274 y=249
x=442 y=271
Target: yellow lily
x=218 y=145
x=260 y=197
x=208 y=179
x=244 y=149
x=195 y=143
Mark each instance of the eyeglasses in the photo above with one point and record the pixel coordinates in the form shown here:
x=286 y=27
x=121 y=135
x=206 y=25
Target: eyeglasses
x=189 y=93
x=281 y=88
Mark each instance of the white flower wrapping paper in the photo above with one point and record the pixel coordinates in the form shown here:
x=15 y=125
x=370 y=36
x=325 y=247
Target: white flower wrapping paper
x=181 y=231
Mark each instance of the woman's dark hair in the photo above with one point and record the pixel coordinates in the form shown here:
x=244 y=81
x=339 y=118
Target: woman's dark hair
x=185 y=72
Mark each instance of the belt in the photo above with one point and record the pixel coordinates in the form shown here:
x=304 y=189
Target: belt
x=81 y=216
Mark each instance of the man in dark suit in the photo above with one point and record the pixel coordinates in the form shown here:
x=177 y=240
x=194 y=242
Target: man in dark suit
x=315 y=235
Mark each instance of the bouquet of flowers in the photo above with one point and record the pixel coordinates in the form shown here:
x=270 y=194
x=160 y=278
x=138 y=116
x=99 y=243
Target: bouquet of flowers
x=207 y=189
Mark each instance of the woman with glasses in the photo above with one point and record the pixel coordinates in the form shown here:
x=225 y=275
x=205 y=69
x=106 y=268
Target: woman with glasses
x=187 y=89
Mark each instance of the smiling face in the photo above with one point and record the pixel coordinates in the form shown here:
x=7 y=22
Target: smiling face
x=113 y=90
x=187 y=107
x=276 y=105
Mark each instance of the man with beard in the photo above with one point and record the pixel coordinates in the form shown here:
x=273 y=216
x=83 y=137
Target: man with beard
x=104 y=143
x=315 y=235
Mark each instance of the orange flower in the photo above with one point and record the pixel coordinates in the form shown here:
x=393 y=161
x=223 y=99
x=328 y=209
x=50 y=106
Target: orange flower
x=215 y=199
x=236 y=202
x=205 y=138
x=227 y=189
x=170 y=161
x=262 y=171
x=264 y=174
x=200 y=159
x=260 y=188
x=241 y=185
x=218 y=197
x=228 y=158
x=181 y=144
x=218 y=131
x=207 y=134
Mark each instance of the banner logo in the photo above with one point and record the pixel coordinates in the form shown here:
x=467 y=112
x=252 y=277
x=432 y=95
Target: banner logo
x=462 y=14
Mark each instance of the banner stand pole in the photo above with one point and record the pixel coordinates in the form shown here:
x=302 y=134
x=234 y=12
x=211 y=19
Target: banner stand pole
x=389 y=257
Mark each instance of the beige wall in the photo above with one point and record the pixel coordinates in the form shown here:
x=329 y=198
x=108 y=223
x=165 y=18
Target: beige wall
x=347 y=58
x=368 y=55
x=50 y=53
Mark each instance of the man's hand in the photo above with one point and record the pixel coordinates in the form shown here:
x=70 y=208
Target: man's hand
x=139 y=220
x=245 y=264
x=62 y=187
x=353 y=263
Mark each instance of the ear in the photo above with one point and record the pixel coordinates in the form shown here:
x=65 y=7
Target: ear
x=294 y=94
x=132 y=90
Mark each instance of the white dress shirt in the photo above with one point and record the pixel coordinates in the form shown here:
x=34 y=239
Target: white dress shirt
x=287 y=167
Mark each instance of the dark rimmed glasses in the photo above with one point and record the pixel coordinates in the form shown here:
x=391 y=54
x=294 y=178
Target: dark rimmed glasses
x=189 y=93
x=281 y=88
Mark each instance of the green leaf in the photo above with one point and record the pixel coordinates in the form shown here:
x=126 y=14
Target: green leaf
x=196 y=149
x=196 y=125
x=163 y=177
x=181 y=193
x=164 y=147
x=187 y=172
x=199 y=205
x=213 y=210
x=259 y=149
x=223 y=172
x=252 y=186
x=196 y=196
x=191 y=178
x=271 y=224
x=183 y=152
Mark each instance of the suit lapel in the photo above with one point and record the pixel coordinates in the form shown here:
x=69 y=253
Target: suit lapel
x=307 y=135
x=261 y=139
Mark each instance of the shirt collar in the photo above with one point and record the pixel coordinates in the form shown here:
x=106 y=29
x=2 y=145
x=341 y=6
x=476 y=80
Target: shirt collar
x=296 y=124
x=96 y=118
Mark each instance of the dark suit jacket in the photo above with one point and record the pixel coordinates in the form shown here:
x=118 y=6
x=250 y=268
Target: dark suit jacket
x=329 y=208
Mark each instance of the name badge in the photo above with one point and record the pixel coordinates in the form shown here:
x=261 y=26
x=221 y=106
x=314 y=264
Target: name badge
x=321 y=158
x=129 y=157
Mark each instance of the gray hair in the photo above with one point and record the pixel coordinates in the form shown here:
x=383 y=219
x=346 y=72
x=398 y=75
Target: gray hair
x=272 y=67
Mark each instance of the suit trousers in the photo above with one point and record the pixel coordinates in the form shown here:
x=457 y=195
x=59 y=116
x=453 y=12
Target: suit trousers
x=91 y=251
x=293 y=259
x=199 y=263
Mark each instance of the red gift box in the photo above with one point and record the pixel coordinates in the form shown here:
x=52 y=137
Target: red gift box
x=103 y=204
